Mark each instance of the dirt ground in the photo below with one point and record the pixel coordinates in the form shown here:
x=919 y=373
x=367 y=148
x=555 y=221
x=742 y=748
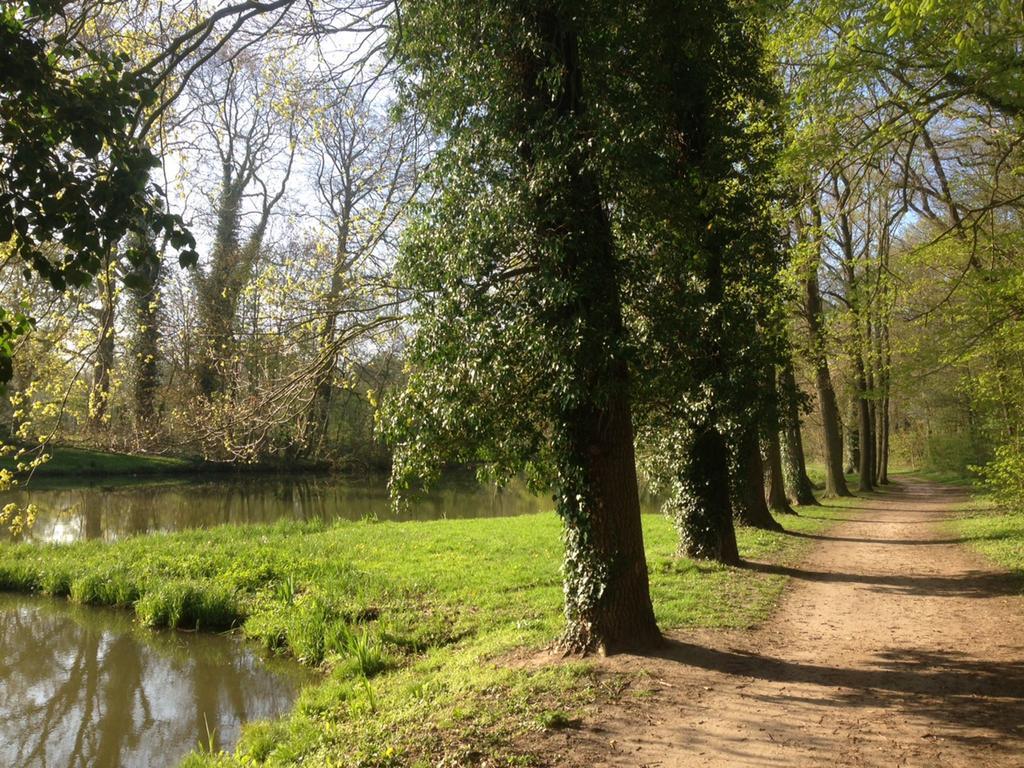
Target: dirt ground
x=894 y=645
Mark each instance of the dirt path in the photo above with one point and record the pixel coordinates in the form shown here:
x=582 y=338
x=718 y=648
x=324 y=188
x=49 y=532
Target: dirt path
x=894 y=646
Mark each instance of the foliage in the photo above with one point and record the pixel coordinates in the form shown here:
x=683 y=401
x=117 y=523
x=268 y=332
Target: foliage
x=519 y=359
x=996 y=533
x=1004 y=477
x=75 y=177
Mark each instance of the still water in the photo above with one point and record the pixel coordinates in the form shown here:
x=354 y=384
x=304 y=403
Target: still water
x=86 y=687
x=113 y=512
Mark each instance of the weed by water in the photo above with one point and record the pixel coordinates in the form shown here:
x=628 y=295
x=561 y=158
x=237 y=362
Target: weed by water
x=184 y=605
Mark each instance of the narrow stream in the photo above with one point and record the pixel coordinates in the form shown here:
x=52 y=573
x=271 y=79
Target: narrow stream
x=87 y=687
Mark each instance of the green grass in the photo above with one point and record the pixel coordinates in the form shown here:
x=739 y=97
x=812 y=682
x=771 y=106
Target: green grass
x=997 y=534
x=67 y=462
x=947 y=476
x=417 y=626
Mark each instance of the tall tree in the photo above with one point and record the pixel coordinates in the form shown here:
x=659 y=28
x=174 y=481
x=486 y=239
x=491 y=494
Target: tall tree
x=519 y=359
x=707 y=222
x=835 y=480
x=240 y=113
x=798 y=484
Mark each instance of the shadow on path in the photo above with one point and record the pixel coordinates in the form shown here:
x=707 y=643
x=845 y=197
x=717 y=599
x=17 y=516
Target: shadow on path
x=947 y=686
x=973 y=583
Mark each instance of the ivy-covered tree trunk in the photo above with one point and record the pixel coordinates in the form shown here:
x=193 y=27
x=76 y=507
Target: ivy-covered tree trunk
x=705 y=524
x=798 y=484
x=608 y=604
x=99 y=396
x=883 y=441
x=751 y=507
x=777 y=499
x=215 y=290
x=143 y=285
x=852 y=435
x=884 y=358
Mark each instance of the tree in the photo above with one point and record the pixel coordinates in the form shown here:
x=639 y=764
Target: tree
x=798 y=484
x=74 y=174
x=365 y=176
x=702 y=216
x=242 y=111
x=777 y=499
x=520 y=361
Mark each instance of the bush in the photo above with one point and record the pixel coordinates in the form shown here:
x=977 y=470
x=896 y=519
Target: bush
x=1004 y=477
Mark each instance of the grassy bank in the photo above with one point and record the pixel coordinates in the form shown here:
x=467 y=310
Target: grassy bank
x=413 y=623
x=68 y=465
x=68 y=462
x=996 y=533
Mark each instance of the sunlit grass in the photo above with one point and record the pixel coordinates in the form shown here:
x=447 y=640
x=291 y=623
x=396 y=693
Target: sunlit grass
x=997 y=534
x=412 y=623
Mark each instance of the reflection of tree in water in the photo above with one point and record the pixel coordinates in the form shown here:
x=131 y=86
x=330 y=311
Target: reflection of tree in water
x=111 y=513
x=80 y=687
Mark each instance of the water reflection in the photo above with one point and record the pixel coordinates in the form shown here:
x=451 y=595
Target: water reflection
x=85 y=687
x=103 y=512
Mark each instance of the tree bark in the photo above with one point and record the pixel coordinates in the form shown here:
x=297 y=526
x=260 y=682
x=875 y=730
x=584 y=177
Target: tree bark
x=145 y=299
x=865 y=441
x=883 y=426
x=835 y=481
x=798 y=484
x=751 y=508
x=883 y=441
x=706 y=526
x=623 y=617
x=99 y=396
x=777 y=500
x=853 y=438
x=608 y=605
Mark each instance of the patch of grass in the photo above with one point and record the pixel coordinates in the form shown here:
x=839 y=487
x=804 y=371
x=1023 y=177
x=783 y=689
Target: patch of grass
x=413 y=623
x=68 y=462
x=947 y=476
x=816 y=472
x=997 y=534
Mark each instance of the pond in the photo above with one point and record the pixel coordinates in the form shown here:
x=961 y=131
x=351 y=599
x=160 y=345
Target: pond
x=87 y=687
x=110 y=512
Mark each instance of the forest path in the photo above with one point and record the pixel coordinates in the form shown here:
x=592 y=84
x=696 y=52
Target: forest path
x=894 y=645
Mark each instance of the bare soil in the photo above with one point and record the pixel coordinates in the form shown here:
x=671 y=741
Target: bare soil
x=894 y=645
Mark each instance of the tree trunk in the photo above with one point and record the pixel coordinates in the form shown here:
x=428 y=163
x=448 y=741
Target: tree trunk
x=883 y=427
x=883 y=441
x=835 y=481
x=866 y=462
x=607 y=597
x=99 y=397
x=319 y=411
x=705 y=523
x=853 y=438
x=870 y=381
x=751 y=508
x=777 y=501
x=622 y=616
x=798 y=484
x=145 y=300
